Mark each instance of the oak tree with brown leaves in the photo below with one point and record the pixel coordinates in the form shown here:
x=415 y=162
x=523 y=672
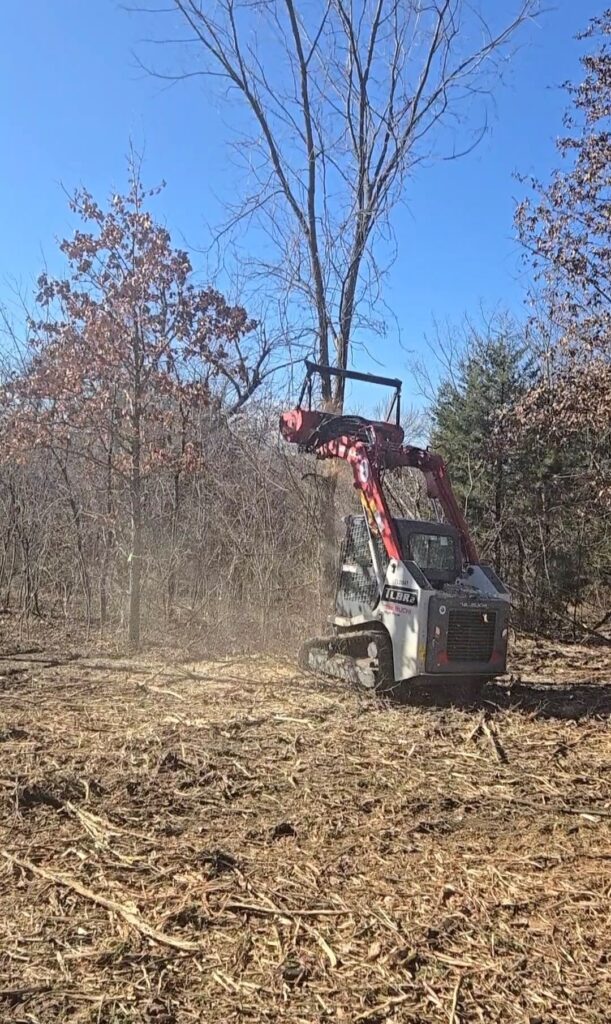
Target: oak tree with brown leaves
x=123 y=350
x=566 y=230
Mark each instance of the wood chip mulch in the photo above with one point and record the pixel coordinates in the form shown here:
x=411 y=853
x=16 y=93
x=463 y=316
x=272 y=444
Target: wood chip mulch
x=235 y=841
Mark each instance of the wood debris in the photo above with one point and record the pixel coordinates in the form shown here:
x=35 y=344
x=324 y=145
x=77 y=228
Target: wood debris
x=225 y=842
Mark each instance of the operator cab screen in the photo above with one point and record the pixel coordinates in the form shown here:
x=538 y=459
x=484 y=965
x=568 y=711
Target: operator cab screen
x=435 y=551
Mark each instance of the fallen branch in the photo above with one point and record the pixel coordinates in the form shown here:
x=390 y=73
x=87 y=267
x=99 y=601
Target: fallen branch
x=557 y=808
x=482 y=727
x=386 y=1005
x=602 y=622
x=24 y=992
x=476 y=730
x=453 y=1008
x=110 y=665
x=130 y=916
x=254 y=908
x=147 y=688
x=495 y=743
x=590 y=630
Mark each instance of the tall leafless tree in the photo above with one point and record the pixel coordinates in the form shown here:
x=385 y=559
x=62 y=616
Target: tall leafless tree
x=339 y=100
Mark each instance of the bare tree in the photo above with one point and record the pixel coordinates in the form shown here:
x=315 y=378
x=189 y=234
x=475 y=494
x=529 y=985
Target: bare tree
x=343 y=99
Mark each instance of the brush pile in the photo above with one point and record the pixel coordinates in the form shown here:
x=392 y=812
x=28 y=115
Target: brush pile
x=234 y=841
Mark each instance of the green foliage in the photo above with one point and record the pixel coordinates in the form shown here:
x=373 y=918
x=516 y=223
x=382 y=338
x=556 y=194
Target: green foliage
x=527 y=498
x=493 y=373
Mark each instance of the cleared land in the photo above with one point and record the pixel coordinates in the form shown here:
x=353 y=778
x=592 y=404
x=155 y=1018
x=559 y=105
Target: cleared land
x=234 y=841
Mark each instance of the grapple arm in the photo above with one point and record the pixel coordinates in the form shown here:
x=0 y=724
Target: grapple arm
x=371 y=447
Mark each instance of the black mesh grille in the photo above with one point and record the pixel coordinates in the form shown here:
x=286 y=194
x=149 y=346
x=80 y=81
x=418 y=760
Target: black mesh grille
x=470 y=635
x=357 y=586
x=357 y=548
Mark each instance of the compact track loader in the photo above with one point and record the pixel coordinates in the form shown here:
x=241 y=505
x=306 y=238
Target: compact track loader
x=414 y=606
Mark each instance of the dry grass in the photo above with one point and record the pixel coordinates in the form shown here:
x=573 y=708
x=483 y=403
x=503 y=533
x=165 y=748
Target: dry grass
x=238 y=842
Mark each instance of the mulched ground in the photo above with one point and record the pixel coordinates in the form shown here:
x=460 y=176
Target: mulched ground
x=234 y=841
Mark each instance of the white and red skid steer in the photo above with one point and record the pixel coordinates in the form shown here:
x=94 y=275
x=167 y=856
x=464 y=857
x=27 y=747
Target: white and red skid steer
x=414 y=605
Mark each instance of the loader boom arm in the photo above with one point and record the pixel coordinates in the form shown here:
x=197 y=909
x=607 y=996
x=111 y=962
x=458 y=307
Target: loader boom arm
x=370 y=448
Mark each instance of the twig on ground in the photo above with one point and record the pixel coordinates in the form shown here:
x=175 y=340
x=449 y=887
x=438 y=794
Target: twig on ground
x=128 y=915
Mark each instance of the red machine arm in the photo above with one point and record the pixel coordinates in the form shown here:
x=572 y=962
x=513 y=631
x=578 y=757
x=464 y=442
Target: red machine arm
x=373 y=448
x=367 y=481
x=438 y=486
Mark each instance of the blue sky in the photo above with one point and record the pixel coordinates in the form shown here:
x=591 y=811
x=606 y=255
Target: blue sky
x=72 y=97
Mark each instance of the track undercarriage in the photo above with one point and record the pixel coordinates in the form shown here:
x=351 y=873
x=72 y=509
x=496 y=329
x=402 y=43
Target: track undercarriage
x=364 y=658
x=361 y=656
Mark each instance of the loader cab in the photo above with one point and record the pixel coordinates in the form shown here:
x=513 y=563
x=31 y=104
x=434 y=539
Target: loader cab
x=431 y=551
x=433 y=547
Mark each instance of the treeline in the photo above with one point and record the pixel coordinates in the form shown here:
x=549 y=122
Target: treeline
x=143 y=482
x=134 y=488
x=525 y=416
x=231 y=541
x=229 y=549
x=536 y=501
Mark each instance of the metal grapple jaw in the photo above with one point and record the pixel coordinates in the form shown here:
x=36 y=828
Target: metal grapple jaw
x=310 y=429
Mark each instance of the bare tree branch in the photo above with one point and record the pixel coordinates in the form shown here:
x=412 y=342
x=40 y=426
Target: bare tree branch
x=346 y=99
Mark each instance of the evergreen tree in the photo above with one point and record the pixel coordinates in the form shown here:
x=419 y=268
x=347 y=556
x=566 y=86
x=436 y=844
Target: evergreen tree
x=525 y=496
x=494 y=372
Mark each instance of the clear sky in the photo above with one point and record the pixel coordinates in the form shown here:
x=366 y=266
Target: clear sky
x=72 y=97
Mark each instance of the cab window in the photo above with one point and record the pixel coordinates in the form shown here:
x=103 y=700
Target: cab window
x=433 y=551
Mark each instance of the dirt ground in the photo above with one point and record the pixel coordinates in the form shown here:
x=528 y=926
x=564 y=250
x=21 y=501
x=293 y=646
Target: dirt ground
x=234 y=841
